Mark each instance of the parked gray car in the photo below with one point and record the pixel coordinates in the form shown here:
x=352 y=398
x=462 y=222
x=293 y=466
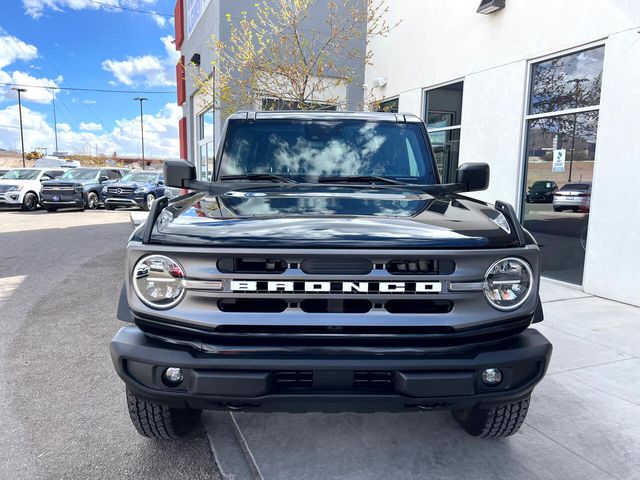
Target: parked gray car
x=573 y=196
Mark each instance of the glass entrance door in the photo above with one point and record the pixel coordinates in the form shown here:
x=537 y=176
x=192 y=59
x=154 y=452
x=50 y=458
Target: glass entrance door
x=562 y=127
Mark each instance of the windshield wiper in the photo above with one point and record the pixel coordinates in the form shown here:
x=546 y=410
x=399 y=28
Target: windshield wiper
x=259 y=176
x=360 y=179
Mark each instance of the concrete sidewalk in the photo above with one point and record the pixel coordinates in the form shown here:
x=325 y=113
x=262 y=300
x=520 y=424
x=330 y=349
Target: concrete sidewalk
x=584 y=420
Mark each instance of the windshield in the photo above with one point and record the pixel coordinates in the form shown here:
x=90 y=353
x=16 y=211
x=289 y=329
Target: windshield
x=305 y=151
x=81 y=174
x=141 y=177
x=541 y=185
x=21 y=175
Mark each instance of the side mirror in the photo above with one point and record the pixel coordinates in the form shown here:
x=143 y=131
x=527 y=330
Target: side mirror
x=473 y=176
x=103 y=179
x=178 y=173
x=160 y=182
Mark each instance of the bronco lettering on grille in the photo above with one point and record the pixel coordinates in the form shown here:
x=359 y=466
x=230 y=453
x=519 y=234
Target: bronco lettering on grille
x=274 y=286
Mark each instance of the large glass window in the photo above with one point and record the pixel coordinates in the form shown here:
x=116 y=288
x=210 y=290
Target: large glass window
x=270 y=104
x=205 y=139
x=443 y=111
x=390 y=105
x=562 y=127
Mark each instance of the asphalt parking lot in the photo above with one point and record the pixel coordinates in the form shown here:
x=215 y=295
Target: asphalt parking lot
x=63 y=411
x=62 y=406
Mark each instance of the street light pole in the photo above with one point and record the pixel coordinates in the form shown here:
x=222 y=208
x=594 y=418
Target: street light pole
x=20 y=90
x=141 y=99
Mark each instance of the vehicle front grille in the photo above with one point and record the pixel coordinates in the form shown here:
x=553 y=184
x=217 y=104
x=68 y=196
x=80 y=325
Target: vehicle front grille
x=358 y=380
x=61 y=187
x=120 y=191
x=372 y=380
x=294 y=380
x=344 y=299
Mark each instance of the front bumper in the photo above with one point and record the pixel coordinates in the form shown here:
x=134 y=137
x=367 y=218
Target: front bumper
x=11 y=198
x=330 y=383
x=136 y=201
x=63 y=199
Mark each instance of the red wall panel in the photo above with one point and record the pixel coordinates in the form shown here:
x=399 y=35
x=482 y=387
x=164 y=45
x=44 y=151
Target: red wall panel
x=182 y=132
x=180 y=81
x=178 y=16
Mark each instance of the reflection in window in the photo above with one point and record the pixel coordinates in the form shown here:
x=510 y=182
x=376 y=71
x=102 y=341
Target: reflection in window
x=443 y=110
x=305 y=150
x=444 y=106
x=446 y=145
x=269 y=104
x=206 y=134
x=205 y=125
x=574 y=135
x=388 y=106
x=572 y=81
x=560 y=158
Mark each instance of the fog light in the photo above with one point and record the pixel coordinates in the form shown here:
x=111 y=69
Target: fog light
x=492 y=376
x=172 y=376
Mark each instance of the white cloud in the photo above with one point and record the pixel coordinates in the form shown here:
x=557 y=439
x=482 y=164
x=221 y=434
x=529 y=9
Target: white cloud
x=146 y=70
x=90 y=126
x=35 y=8
x=14 y=49
x=160 y=133
x=88 y=101
x=37 y=95
x=159 y=19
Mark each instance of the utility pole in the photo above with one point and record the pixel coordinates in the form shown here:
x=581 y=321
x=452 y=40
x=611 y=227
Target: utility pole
x=577 y=92
x=141 y=99
x=20 y=90
x=55 y=121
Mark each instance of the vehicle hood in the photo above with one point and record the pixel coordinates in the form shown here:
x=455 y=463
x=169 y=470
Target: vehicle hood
x=70 y=181
x=15 y=181
x=130 y=184
x=331 y=217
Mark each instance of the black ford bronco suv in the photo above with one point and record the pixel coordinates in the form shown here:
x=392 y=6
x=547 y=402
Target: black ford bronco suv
x=326 y=268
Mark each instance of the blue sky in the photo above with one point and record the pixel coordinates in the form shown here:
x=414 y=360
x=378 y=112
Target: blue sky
x=80 y=43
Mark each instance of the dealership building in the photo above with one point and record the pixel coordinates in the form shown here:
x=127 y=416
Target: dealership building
x=196 y=22
x=546 y=92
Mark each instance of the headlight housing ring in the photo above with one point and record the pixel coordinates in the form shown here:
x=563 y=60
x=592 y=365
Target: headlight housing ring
x=158 y=281
x=508 y=283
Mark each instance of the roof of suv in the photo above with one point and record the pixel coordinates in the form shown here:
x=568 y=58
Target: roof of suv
x=325 y=115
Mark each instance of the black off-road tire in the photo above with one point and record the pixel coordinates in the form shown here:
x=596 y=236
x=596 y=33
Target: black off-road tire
x=30 y=202
x=159 y=421
x=497 y=422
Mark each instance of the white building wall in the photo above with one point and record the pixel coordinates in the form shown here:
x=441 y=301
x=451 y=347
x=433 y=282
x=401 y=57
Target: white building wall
x=612 y=261
x=437 y=43
x=440 y=41
x=492 y=111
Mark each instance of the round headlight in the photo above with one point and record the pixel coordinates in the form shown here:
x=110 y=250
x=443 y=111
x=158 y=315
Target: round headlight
x=508 y=283
x=159 y=281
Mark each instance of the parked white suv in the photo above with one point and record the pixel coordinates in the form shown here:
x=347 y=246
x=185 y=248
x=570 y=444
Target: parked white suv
x=22 y=186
